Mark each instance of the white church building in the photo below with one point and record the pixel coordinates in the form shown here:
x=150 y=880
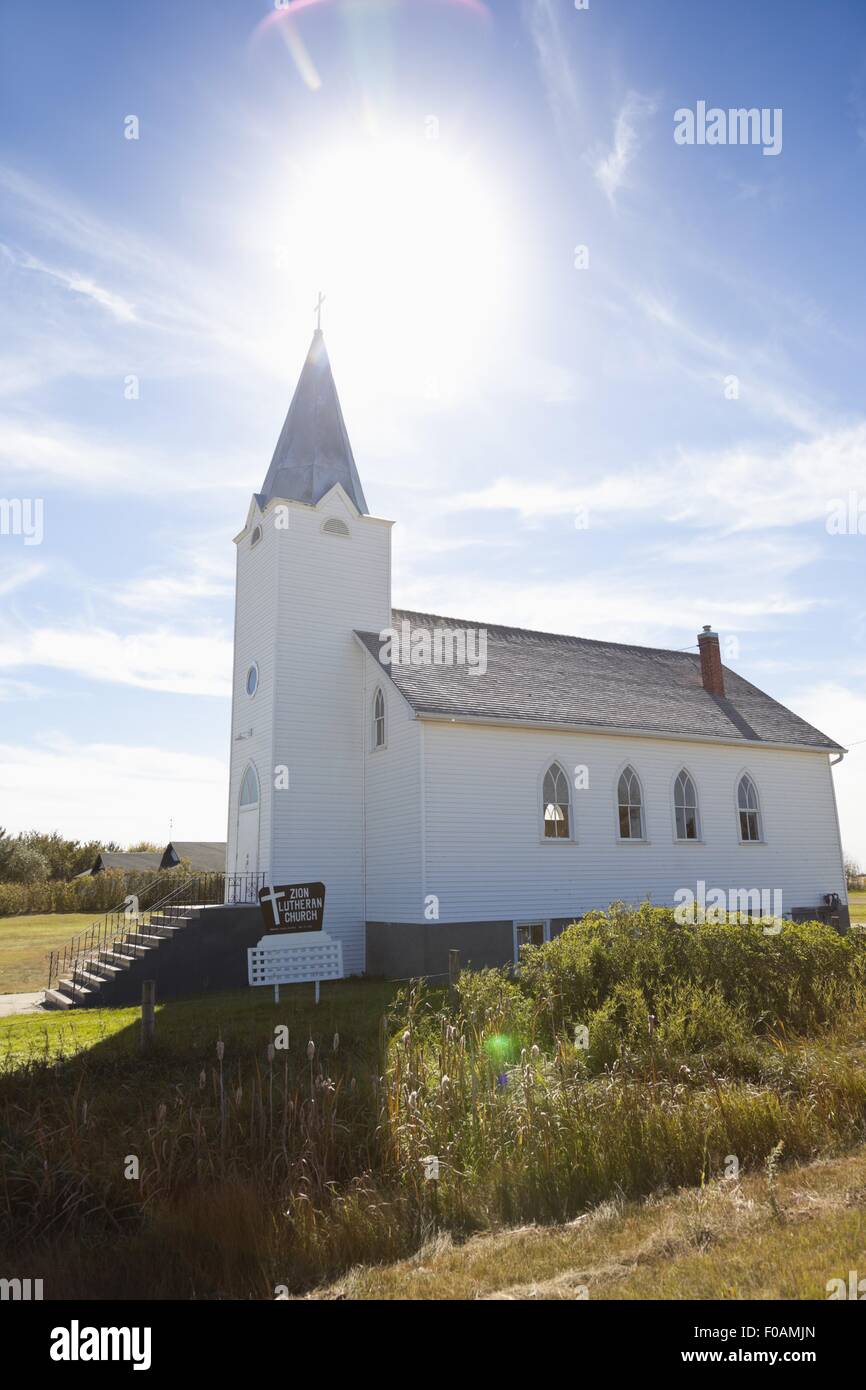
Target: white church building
x=487 y=786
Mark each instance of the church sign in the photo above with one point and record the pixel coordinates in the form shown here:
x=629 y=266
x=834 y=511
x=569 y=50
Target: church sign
x=294 y=948
x=294 y=907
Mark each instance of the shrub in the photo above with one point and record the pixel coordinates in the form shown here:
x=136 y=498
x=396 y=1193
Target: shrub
x=96 y=893
x=800 y=977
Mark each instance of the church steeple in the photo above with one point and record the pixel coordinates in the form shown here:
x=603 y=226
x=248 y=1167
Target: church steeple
x=313 y=451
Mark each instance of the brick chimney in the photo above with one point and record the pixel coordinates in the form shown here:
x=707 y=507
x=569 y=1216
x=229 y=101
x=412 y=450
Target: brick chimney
x=711 y=661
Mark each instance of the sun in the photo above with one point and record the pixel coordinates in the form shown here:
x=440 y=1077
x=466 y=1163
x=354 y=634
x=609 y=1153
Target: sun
x=410 y=243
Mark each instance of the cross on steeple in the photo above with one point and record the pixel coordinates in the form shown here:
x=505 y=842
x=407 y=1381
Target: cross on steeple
x=319 y=302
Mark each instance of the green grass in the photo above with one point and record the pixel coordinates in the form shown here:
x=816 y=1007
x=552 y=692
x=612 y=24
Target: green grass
x=857 y=905
x=25 y=943
x=189 y=1028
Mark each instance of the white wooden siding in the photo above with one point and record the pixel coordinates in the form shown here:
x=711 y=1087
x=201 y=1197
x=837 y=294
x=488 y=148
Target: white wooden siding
x=394 y=832
x=327 y=586
x=254 y=642
x=486 y=858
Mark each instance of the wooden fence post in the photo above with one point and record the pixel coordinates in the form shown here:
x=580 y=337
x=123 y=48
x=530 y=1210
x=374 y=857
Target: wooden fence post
x=148 y=1011
x=453 y=977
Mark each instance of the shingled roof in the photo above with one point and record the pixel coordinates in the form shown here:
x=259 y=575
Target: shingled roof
x=544 y=678
x=140 y=861
x=313 y=452
x=205 y=856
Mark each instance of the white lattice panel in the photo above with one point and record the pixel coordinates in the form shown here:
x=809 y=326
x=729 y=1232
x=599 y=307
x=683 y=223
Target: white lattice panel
x=295 y=959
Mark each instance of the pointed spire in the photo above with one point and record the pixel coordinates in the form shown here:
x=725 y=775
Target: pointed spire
x=313 y=451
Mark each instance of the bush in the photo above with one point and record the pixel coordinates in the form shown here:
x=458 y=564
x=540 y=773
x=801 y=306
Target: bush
x=798 y=978
x=97 y=893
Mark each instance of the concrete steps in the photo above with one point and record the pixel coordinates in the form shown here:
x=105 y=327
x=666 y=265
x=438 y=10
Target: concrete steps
x=55 y=999
x=91 y=981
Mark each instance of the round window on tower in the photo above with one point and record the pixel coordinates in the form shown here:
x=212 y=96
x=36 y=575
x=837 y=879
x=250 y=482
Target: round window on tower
x=252 y=679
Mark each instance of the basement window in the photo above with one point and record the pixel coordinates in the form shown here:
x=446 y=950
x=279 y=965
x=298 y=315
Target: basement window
x=529 y=934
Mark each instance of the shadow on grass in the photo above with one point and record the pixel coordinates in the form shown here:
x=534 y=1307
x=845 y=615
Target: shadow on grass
x=186 y=1169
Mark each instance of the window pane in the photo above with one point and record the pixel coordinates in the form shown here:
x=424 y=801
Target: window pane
x=249 y=788
x=691 y=826
x=530 y=934
x=747 y=796
x=636 y=832
x=681 y=823
x=623 y=823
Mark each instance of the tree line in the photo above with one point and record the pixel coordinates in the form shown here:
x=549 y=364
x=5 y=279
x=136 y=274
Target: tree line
x=35 y=857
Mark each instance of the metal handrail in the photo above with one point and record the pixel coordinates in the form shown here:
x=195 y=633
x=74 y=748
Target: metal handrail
x=58 y=960
x=119 y=926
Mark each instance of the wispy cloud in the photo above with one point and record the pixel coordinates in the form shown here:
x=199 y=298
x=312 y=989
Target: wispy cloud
x=160 y=658
x=545 y=25
x=622 y=606
x=53 y=452
x=15 y=575
x=115 y=304
x=747 y=487
x=208 y=575
x=611 y=169
x=84 y=790
x=14 y=690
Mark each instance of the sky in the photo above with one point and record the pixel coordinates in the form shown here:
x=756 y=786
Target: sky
x=606 y=383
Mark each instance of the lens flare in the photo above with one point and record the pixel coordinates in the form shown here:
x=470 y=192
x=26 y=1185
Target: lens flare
x=293 y=8
x=500 y=1048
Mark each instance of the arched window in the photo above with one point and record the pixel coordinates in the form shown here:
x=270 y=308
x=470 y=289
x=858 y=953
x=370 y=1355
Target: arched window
x=749 y=809
x=249 y=787
x=256 y=536
x=379 y=719
x=686 y=808
x=335 y=527
x=556 y=804
x=630 y=802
